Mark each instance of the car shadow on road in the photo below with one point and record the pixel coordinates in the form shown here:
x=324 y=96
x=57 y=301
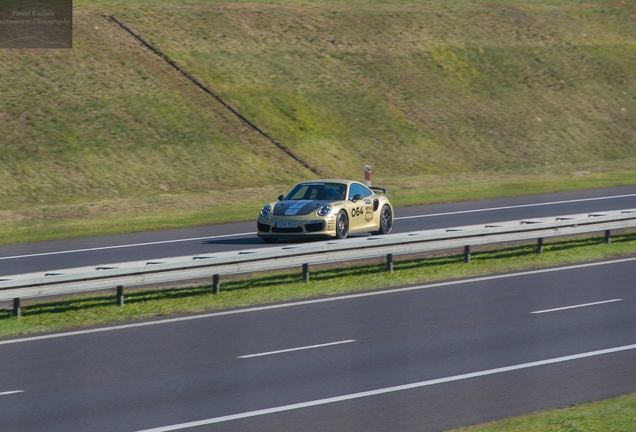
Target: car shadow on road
x=256 y=241
x=250 y=241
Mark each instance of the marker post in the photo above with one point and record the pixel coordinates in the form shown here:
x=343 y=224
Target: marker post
x=367 y=175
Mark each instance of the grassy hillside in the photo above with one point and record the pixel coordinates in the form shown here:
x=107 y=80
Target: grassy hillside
x=444 y=99
x=433 y=88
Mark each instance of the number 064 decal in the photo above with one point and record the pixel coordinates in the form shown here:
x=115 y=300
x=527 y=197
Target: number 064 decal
x=359 y=211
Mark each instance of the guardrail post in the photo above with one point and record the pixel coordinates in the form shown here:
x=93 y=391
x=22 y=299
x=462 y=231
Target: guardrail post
x=305 y=272
x=467 y=253
x=120 y=295
x=216 y=284
x=389 y=263
x=16 y=307
x=608 y=239
x=539 y=245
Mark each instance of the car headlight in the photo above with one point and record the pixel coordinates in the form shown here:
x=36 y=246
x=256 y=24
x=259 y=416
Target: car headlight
x=265 y=210
x=324 y=210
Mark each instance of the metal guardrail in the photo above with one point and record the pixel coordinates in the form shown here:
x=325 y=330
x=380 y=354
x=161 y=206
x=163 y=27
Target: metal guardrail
x=254 y=260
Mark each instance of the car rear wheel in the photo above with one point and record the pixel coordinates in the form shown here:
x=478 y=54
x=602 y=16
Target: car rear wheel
x=386 y=220
x=342 y=225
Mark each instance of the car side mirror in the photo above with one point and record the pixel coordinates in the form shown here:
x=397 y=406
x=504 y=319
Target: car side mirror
x=357 y=197
x=281 y=197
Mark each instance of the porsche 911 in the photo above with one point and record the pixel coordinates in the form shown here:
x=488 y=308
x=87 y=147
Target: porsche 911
x=326 y=208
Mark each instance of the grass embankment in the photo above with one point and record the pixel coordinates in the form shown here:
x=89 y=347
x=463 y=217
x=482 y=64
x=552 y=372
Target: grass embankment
x=615 y=414
x=446 y=100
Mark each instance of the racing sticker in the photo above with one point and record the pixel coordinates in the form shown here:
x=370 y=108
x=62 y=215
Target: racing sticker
x=368 y=210
x=295 y=208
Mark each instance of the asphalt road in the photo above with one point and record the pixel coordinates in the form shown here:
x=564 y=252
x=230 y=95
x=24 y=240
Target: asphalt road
x=55 y=255
x=425 y=358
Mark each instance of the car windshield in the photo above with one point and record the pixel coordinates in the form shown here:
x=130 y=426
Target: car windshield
x=318 y=191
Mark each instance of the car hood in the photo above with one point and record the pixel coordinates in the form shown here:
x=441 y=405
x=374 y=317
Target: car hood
x=298 y=207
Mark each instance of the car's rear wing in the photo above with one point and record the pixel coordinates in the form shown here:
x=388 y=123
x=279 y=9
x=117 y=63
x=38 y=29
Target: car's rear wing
x=377 y=189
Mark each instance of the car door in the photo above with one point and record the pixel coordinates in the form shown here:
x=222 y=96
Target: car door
x=359 y=218
x=371 y=215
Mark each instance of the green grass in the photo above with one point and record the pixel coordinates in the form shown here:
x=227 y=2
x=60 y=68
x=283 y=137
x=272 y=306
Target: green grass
x=446 y=100
x=615 y=415
x=416 y=88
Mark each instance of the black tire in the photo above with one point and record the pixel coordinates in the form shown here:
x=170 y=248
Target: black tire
x=386 y=220
x=342 y=225
x=270 y=239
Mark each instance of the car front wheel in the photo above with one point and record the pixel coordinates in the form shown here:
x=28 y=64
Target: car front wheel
x=342 y=225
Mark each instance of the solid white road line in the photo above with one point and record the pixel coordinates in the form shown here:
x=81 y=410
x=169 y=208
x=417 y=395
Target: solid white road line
x=310 y=302
x=388 y=389
x=11 y=392
x=125 y=246
x=253 y=233
x=296 y=349
x=517 y=206
x=576 y=306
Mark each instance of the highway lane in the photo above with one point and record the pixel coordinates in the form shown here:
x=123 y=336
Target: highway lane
x=54 y=255
x=383 y=360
